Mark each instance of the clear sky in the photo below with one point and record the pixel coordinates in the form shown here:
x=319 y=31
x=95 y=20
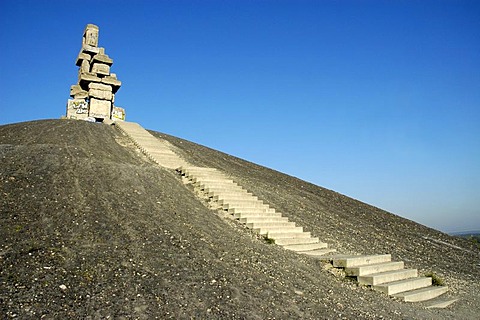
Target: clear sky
x=378 y=100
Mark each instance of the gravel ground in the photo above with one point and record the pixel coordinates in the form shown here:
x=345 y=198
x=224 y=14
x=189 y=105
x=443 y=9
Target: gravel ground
x=91 y=229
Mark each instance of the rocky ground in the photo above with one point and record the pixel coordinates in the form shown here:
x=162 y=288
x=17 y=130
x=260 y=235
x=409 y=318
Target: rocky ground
x=91 y=229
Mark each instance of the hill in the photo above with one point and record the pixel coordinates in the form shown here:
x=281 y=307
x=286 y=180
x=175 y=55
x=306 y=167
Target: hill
x=93 y=229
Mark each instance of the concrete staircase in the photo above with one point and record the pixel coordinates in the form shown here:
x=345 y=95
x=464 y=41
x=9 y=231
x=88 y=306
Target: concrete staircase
x=390 y=277
x=160 y=151
x=377 y=271
x=252 y=212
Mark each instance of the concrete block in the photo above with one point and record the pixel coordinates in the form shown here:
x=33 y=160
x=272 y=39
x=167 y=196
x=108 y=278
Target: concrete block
x=116 y=84
x=85 y=66
x=82 y=56
x=100 y=94
x=85 y=78
x=100 y=86
x=90 y=35
x=100 y=108
x=100 y=69
x=102 y=58
x=77 y=109
x=76 y=89
x=81 y=95
x=90 y=49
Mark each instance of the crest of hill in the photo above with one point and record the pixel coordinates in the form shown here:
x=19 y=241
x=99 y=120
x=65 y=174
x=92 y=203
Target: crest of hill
x=91 y=227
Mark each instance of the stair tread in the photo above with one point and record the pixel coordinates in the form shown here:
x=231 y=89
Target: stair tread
x=388 y=272
x=431 y=291
x=399 y=282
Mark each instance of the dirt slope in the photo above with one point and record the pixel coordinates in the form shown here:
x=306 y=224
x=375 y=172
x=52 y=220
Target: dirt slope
x=91 y=229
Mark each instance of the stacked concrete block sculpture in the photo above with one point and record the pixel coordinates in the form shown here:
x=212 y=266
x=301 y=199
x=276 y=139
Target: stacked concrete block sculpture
x=94 y=94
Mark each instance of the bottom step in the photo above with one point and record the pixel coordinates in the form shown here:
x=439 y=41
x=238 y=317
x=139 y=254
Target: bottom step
x=421 y=294
x=441 y=304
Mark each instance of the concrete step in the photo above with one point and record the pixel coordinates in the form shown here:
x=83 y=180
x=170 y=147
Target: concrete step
x=374 y=268
x=389 y=276
x=246 y=202
x=306 y=246
x=166 y=159
x=245 y=205
x=265 y=211
x=317 y=253
x=161 y=155
x=360 y=260
x=235 y=196
x=268 y=230
x=226 y=186
x=219 y=190
x=331 y=257
x=258 y=225
x=242 y=215
x=201 y=171
x=291 y=241
x=214 y=184
x=223 y=194
x=166 y=153
x=263 y=219
x=205 y=174
x=189 y=169
x=392 y=288
x=211 y=184
x=288 y=235
x=422 y=294
x=255 y=210
x=208 y=179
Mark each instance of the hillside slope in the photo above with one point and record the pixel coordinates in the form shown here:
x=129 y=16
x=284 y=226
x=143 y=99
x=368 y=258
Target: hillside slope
x=93 y=229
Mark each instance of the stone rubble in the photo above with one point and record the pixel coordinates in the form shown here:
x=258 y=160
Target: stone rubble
x=94 y=94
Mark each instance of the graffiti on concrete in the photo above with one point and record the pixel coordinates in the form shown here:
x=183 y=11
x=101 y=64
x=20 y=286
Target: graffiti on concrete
x=80 y=106
x=118 y=113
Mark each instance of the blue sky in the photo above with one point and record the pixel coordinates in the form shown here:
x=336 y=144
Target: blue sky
x=378 y=100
